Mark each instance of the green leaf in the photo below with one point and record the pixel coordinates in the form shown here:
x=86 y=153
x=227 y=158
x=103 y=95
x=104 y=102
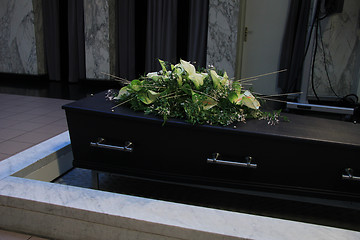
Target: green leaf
x=178 y=71
x=187 y=89
x=163 y=66
x=237 y=87
x=136 y=85
x=225 y=80
x=148 y=96
x=234 y=97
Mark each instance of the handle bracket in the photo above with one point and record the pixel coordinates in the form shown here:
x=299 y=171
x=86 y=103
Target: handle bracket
x=349 y=175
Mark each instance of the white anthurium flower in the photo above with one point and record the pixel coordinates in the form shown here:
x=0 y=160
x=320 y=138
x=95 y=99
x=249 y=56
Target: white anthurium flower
x=245 y=98
x=209 y=103
x=196 y=78
x=124 y=92
x=250 y=101
x=206 y=102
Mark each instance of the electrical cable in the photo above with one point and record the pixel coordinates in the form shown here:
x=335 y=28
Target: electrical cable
x=315 y=51
x=324 y=61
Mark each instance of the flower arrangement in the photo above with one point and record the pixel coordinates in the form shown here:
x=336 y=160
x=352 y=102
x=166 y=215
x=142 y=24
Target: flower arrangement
x=201 y=97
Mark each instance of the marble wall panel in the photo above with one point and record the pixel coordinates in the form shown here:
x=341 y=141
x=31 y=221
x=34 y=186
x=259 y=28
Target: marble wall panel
x=222 y=34
x=17 y=37
x=340 y=40
x=96 y=24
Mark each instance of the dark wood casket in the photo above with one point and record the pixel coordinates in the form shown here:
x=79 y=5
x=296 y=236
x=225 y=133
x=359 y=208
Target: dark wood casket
x=306 y=156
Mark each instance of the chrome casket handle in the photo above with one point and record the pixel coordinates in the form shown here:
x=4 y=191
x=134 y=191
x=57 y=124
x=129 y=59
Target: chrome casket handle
x=128 y=147
x=247 y=164
x=349 y=175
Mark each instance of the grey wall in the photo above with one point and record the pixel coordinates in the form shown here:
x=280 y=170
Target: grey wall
x=222 y=34
x=97 y=40
x=21 y=37
x=17 y=37
x=341 y=34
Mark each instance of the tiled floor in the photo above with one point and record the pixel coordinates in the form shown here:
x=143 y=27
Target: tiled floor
x=6 y=235
x=24 y=122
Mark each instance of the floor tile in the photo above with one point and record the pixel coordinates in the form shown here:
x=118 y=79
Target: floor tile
x=26 y=126
x=5 y=122
x=5 y=114
x=13 y=147
x=23 y=116
x=32 y=137
x=57 y=113
x=40 y=110
x=5 y=105
x=37 y=238
x=6 y=235
x=7 y=133
x=61 y=122
x=46 y=119
x=51 y=129
x=18 y=109
x=3 y=157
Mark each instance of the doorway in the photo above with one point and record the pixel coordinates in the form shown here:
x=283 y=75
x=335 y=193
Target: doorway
x=261 y=29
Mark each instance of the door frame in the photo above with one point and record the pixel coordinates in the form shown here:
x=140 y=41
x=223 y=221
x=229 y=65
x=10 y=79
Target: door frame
x=240 y=38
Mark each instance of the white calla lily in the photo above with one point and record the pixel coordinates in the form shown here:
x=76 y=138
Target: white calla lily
x=196 y=78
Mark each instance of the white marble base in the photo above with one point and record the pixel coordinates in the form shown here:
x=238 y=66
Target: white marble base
x=66 y=212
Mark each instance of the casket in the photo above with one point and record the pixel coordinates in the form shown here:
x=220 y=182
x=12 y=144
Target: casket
x=307 y=156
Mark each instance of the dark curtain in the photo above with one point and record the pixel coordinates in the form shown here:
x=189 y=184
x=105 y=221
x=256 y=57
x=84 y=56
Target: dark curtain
x=126 y=39
x=149 y=30
x=294 y=46
x=76 y=40
x=64 y=39
x=161 y=34
x=197 y=40
x=52 y=38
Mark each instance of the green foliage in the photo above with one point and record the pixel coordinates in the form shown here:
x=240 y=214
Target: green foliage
x=200 y=97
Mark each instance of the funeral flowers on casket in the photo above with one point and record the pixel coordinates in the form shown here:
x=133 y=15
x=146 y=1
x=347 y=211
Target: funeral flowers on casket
x=200 y=97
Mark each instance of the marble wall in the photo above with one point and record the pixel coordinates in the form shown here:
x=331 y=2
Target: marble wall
x=22 y=45
x=340 y=35
x=96 y=24
x=222 y=34
x=17 y=37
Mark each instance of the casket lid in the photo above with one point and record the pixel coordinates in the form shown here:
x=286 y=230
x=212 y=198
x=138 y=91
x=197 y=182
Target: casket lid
x=299 y=127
